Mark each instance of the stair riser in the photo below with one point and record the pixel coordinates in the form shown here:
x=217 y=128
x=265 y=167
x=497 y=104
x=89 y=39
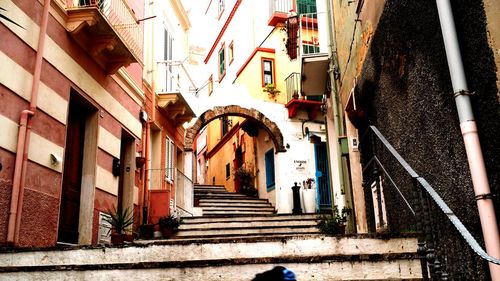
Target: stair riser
x=218 y=195
x=296 y=247
x=243 y=209
x=235 y=204
x=247 y=224
x=252 y=218
x=234 y=213
x=234 y=200
x=359 y=270
x=246 y=231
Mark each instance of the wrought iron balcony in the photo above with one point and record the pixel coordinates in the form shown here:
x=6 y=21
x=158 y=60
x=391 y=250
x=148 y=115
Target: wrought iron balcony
x=279 y=11
x=172 y=83
x=173 y=77
x=108 y=30
x=296 y=100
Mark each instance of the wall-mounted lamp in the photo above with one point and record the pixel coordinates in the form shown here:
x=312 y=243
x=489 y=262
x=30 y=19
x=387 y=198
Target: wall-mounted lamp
x=115 y=170
x=55 y=159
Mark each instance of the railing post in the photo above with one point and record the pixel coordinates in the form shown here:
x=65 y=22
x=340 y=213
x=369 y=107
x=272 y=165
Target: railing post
x=378 y=191
x=421 y=247
x=431 y=255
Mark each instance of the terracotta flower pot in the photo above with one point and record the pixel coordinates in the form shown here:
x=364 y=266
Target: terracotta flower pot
x=117 y=238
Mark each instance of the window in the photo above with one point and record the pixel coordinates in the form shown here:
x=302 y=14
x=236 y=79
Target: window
x=228 y=171
x=267 y=71
x=310 y=49
x=169 y=159
x=230 y=52
x=269 y=160
x=220 y=7
x=210 y=85
x=167 y=56
x=306 y=6
x=222 y=63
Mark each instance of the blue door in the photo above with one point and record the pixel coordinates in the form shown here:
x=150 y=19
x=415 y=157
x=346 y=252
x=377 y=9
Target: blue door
x=322 y=176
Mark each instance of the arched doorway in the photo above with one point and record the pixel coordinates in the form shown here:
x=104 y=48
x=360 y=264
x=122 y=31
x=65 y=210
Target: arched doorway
x=235 y=110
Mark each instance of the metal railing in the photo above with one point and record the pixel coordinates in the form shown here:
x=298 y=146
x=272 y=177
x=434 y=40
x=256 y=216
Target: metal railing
x=184 y=194
x=120 y=17
x=172 y=77
x=292 y=83
x=280 y=6
x=293 y=88
x=399 y=200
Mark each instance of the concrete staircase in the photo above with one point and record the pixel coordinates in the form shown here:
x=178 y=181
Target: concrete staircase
x=231 y=215
x=236 y=238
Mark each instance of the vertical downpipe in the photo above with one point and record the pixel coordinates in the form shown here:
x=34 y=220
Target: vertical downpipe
x=471 y=139
x=16 y=204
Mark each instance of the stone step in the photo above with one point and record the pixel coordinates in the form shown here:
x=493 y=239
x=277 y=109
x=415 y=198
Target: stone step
x=202 y=186
x=228 y=218
x=238 y=207
x=217 y=189
x=215 y=194
x=246 y=224
x=235 y=203
x=233 y=200
x=310 y=257
x=231 y=231
x=216 y=212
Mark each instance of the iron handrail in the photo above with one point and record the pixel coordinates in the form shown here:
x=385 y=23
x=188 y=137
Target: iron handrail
x=459 y=226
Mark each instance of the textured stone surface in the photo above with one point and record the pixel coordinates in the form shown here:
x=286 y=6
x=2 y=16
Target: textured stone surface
x=286 y=248
x=40 y=218
x=234 y=110
x=407 y=90
x=364 y=270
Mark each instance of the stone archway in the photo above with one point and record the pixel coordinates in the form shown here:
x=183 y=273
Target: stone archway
x=234 y=110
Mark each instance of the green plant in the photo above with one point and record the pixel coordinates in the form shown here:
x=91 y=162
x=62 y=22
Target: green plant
x=172 y=221
x=334 y=223
x=245 y=177
x=271 y=90
x=119 y=219
x=8 y=19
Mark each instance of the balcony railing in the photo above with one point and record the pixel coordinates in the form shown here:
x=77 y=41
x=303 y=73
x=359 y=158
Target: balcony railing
x=292 y=83
x=172 y=77
x=293 y=88
x=281 y=6
x=120 y=17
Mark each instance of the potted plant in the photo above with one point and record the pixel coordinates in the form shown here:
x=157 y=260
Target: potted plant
x=334 y=223
x=271 y=90
x=309 y=195
x=119 y=219
x=169 y=224
x=245 y=177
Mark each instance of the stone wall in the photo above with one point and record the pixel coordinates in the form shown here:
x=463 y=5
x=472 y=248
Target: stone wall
x=407 y=91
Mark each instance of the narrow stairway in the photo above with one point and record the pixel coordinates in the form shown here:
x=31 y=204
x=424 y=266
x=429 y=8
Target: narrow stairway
x=232 y=215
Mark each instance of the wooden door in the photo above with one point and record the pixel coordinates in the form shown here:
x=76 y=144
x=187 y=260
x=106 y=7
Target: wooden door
x=237 y=163
x=70 y=197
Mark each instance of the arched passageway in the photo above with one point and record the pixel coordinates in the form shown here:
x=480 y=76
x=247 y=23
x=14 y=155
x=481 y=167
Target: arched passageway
x=235 y=110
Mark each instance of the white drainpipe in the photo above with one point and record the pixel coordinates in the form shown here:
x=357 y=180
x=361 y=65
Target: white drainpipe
x=470 y=136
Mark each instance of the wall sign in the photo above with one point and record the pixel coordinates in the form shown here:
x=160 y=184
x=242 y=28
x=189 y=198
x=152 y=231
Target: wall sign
x=300 y=166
